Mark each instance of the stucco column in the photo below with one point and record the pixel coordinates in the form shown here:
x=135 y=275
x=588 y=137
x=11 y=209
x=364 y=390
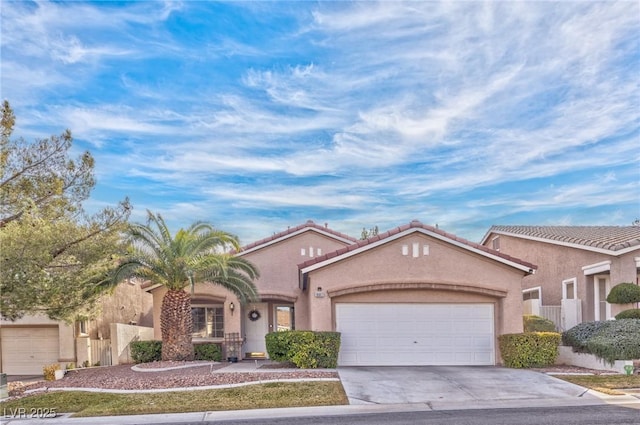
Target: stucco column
x=321 y=312
x=67 y=343
x=233 y=318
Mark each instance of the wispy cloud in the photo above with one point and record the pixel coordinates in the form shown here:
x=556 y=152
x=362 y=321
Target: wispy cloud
x=360 y=113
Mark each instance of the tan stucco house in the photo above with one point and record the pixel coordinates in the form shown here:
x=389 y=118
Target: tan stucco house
x=30 y=343
x=577 y=267
x=414 y=295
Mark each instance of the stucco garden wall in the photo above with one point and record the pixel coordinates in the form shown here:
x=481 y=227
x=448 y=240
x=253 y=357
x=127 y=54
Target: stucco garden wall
x=121 y=338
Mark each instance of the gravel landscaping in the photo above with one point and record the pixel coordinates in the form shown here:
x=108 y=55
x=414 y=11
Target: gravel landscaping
x=163 y=375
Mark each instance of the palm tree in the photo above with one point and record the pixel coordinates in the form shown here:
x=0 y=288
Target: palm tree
x=197 y=254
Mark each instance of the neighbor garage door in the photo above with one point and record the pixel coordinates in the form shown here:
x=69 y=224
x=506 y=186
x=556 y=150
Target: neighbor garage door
x=415 y=334
x=26 y=350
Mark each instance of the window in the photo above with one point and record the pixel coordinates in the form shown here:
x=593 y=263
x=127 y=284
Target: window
x=569 y=289
x=284 y=318
x=83 y=327
x=208 y=321
x=495 y=243
x=531 y=294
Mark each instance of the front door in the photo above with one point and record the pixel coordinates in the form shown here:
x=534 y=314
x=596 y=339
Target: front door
x=256 y=326
x=602 y=308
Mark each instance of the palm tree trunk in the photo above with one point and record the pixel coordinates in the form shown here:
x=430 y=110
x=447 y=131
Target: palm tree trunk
x=176 y=326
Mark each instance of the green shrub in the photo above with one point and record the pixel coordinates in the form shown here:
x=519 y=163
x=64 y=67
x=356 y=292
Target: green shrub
x=146 y=351
x=306 y=349
x=578 y=336
x=624 y=293
x=209 y=351
x=279 y=344
x=533 y=349
x=533 y=323
x=632 y=313
x=618 y=340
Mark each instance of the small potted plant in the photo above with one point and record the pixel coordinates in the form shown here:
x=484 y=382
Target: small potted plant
x=232 y=355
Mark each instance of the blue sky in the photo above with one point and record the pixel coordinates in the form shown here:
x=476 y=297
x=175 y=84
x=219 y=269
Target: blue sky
x=257 y=116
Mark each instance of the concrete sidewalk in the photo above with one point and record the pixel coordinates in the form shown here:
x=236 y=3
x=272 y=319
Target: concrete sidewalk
x=323 y=411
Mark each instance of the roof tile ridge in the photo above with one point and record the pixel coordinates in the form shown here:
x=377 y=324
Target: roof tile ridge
x=290 y=230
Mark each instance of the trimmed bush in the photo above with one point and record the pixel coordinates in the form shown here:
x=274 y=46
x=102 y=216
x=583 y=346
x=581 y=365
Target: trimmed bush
x=146 y=351
x=208 y=351
x=533 y=349
x=305 y=349
x=610 y=340
x=279 y=344
x=533 y=323
x=578 y=336
x=624 y=293
x=618 y=340
x=632 y=313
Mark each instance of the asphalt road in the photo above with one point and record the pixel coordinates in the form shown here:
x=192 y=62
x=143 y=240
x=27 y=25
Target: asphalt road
x=575 y=415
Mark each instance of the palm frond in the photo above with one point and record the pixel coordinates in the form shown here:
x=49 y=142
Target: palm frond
x=200 y=252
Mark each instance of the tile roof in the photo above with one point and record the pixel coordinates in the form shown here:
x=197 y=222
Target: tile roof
x=415 y=224
x=310 y=224
x=612 y=238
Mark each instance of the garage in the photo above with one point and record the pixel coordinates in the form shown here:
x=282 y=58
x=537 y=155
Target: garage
x=415 y=334
x=29 y=349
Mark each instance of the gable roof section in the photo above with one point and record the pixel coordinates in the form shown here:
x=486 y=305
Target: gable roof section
x=398 y=232
x=613 y=240
x=294 y=231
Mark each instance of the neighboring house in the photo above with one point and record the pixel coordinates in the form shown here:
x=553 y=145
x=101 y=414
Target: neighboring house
x=29 y=343
x=577 y=267
x=414 y=295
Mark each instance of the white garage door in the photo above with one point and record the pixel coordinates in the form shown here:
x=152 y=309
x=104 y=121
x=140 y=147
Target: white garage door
x=26 y=350
x=415 y=334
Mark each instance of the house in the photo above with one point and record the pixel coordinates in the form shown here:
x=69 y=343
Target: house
x=577 y=267
x=282 y=306
x=29 y=343
x=414 y=295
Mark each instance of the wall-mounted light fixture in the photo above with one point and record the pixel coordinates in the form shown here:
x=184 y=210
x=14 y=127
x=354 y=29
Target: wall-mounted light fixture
x=232 y=307
x=319 y=293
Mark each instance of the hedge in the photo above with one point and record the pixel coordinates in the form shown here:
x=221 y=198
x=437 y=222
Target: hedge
x=632 y=313
x=619 y=340
x=610 y=340
x=578 y=336
x=305 y=349
x=624 y=293
x=151 y=351
x=208 y=351
x=146 y=351
x=533 y=323
x=532 y=349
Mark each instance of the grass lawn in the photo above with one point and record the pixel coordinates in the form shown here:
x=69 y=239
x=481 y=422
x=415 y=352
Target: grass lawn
x=269 y=395
x=608 y=384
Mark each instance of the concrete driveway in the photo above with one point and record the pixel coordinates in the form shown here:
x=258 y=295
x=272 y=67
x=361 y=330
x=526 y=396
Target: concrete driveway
x=463 y=385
